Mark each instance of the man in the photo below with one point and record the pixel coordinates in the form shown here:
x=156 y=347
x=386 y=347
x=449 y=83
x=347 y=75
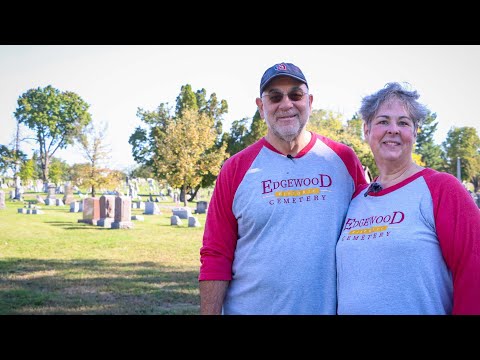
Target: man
x=277 y=211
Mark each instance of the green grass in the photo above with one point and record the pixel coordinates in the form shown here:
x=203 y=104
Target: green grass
x=51 y=264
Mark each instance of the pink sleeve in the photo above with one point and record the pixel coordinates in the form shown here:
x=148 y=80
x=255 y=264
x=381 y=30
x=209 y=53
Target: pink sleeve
x=221 y=229
x=457 y=221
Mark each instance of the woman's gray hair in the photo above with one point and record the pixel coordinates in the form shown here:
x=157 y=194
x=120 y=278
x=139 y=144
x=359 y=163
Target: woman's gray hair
x=394 y=90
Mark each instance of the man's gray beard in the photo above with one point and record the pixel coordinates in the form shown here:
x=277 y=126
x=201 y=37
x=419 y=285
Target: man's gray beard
x=288 y=137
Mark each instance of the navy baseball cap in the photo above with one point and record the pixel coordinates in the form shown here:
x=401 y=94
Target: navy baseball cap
x=282 y=69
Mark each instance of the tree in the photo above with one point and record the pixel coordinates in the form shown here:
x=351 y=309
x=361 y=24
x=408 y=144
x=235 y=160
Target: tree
x=258 y=129
x=55 y=117
x=38 y=165
x=141 y=171
x=10 y=158
x=27 y=170
x=235 y=138
x=463 y=143
x=241 y=135
x=431 y=154
x=184 y=150
x=59 y=170
x=326 y=122
x=329 y=123
x=95 y=174
x=147 y=142
x=355 y=126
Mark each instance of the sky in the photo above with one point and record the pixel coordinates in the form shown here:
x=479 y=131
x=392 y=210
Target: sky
x=116 y=80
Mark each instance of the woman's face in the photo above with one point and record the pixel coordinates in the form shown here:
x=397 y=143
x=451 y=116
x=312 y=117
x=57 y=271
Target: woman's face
x=391 y=134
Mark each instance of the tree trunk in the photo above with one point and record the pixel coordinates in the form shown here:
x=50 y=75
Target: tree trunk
x=194 y=192
x=184 y=191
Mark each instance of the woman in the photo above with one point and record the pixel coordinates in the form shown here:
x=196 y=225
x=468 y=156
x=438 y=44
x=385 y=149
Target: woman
x=410 y=243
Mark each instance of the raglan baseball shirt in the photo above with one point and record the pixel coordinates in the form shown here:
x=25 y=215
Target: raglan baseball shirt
x=413 y=248
x=272 y=225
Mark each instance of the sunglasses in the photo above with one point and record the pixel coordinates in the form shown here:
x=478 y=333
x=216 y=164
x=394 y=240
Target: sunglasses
x=277 y=96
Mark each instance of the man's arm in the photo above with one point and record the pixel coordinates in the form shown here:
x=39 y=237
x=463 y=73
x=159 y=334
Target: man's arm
x=212 y=294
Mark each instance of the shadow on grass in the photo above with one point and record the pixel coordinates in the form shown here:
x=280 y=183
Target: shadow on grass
x=95 y=287
x=67 y=225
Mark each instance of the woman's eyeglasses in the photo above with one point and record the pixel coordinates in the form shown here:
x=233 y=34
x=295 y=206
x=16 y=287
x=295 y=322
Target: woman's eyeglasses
x=277 y=96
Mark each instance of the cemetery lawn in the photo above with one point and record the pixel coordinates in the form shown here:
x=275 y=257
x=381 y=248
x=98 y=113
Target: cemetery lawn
x=52 y=265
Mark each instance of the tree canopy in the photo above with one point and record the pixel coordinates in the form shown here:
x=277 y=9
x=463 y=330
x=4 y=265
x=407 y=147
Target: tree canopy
x=431 y=153
x=150 y=146
x=185 y=152
x=463 y=143
x=10 y=158
x=56 y=118
x=95 y=174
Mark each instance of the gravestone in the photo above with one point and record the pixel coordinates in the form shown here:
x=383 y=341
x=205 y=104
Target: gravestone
x=34 y=209
x=51 y=196
x=2 y=200
x=40 y=200
x=19 y=190
x=182 y=212
x=59 y=202
x=75 y=206
x=138 y=204
x=107 y=211
x=175 y=220
x=38 y=185
x=68 y=197
x=201 y=207
x=91 y=211
x=123 y=213
x=151 y=208
x=193 y=221
x=51 y=192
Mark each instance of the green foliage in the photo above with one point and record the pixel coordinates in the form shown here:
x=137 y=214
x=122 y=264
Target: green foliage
x=330 y=124
x=143 y=140
x=212 y=108
x=463 y=143
x=187 y=151
x=59 y=170
x=56 y=118
x=258 y=129
x=149 y=145
x=361 y=148
x=9 y=159
x=27 y=171
x=431 y=154
x=355 y=126
x=142 y=171
x=95 y=174
x=241 y=136
x=97 y=179
x=38 y=165
x=326 y=122
x=139 y=142
x=235 y=138
x=187 y=99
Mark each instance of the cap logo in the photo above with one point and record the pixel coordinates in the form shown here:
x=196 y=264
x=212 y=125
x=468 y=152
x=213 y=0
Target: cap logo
x=281 y=69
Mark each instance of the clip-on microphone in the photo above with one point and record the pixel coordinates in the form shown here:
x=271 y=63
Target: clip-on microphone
x=373 y=188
